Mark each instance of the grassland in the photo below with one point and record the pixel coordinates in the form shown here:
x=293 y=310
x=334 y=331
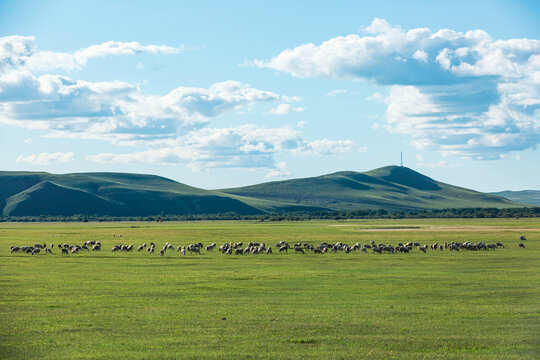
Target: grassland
x=439 y=305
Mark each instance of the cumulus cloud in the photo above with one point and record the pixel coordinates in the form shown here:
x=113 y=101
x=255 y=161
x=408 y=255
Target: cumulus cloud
x=21 y=51
x=46 y=158
x=244 y=146
x=284 y=109
x=463 y=94
x=174 y=128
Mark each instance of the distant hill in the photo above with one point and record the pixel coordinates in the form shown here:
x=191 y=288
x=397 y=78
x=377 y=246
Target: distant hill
x=531 y=197
x=390 y=187
x=121 y=194
x=115 y=194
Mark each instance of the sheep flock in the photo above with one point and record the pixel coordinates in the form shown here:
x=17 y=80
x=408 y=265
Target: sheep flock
x=231 y=248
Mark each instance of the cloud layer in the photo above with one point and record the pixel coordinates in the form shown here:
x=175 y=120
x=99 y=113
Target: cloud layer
x=173 y=129
x=462 y=94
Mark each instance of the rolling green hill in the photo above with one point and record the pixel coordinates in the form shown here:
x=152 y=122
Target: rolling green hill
x=121 y=194
x=390 y=187
x=116 y=194
x=531 y=197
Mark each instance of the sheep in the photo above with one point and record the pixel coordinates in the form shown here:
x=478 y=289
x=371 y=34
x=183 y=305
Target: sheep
x=521 y=245
x=96 y=248
x=162 y=252
x=491 y=246
x=140 y=248
x=238 y=251
x=36 y=251
x=75 y=250
x=284 y=248
x=209 y=248
x=500 y=244
x=116 y=248
x=52 y=246
x=15 y=249
x=298 y=249
x=269 y=250
x=522 y=238
x=183 y=250
x=48 y=251
x=65 y=251
x=454 y=247
x=129 y=247
x=84 y=247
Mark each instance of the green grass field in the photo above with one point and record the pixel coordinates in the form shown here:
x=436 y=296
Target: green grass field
x=439 y=305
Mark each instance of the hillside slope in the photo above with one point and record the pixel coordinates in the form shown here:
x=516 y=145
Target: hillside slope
x=390 y=187
x=531 y=197
x=120 y=194
x=116 y=194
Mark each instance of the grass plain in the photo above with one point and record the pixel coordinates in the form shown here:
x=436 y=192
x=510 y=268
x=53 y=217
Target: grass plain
x=439 y=305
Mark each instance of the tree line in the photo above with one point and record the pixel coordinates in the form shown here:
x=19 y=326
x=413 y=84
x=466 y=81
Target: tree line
x=524 y=212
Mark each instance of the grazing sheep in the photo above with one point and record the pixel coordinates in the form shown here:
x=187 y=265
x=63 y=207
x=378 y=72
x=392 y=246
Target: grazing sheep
x=491 y=246
x=15 y=249
x=140 y=248
x=75 y=250
x=500 y=244
x=116 y=248
x=183 y=250
x=161 y=252
x=209 y=248
x=238 y=251
x=521 y=245
x=65 y=251
x=36 y=251
x=298 y=249
x=522 y=238
x=84 y=247
x=96 y=248
x=129 y=247
x=52 y=246
x=269 y=250
x=48 y=251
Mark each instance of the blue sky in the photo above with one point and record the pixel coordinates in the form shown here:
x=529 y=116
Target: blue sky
x=217 y=94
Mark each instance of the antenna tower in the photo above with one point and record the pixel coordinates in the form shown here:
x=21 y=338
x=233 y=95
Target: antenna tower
x=402 y=159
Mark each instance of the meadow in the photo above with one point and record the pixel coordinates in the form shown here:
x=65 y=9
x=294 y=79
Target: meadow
x=438 y=305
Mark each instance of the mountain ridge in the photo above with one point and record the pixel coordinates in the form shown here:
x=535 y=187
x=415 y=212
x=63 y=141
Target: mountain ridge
x=131 y=194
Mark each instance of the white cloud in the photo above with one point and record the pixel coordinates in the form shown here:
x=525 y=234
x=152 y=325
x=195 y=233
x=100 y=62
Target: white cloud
x=284 y=109
x=458 y=93
x=21 y=52
x=420 y=55
x=336 y=92
x=245 y=146
x=46 y=158
x=301 y=124
x=28 y=141
x=171 y=129
x=279 y=171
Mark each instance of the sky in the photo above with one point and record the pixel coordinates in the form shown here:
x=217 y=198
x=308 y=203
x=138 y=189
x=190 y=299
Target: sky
x=227 y=94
